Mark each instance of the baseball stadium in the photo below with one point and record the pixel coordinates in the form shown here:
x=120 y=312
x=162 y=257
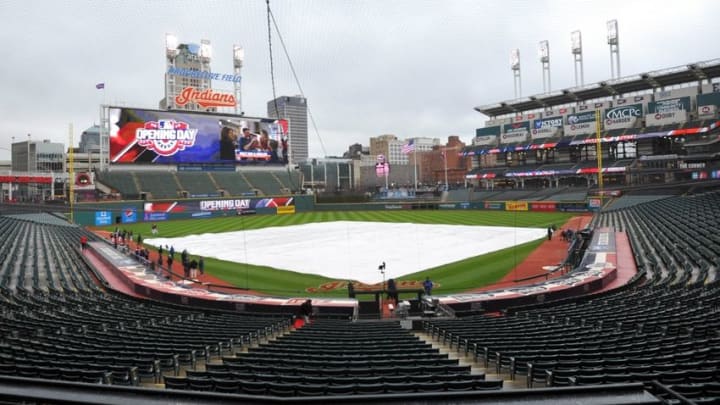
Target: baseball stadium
x=569 y=254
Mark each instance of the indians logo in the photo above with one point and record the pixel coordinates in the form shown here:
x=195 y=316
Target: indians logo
x=166 y=137
x=205 y=98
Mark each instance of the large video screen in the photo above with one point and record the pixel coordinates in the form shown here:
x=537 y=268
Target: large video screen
x=173 y=137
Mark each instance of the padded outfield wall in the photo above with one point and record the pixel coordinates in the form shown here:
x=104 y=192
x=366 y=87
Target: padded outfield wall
x=128 y=212
x=535 y=206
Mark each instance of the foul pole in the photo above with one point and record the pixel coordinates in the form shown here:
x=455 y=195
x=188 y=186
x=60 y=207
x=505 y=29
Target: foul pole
x=598 y=152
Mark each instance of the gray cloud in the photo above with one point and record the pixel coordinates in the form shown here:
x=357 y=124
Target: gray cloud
x=413 y=68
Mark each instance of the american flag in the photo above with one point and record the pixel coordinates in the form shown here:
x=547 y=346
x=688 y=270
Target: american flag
x=409 y=147
x=100 y=86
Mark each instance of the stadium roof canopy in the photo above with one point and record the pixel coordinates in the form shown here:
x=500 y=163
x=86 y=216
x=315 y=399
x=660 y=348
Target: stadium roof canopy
x=616 y=87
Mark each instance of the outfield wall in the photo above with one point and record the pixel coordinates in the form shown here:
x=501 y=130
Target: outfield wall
x=535 y=206
x=129 y=212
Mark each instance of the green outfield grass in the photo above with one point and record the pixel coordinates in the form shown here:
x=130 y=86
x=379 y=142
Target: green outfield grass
x=454 y=277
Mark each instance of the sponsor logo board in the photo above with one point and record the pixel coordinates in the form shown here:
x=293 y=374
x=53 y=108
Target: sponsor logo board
x=664 y=118
x=205 y=98
x=103 y=218
x=516 y=205
x=622 y=117
x=485 y=140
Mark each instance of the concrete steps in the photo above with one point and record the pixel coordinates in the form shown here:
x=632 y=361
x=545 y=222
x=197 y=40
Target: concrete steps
x=475 y=367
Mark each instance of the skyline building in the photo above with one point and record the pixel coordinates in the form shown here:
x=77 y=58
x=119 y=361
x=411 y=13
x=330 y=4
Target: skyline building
x=293 y=109
x=186 y=57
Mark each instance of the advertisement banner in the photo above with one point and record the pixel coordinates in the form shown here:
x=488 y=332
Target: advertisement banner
x=546 y=128
x=665 y=118
x=129 y=215
x=84 y=181
x=286 y=210
x=707 y=104
x=489 y=130
x=669 y=105
x=204 y=98
x=558 y=111
x=625 y=116
x=593 y=106
x=632 y=100
x=545 y=206
x=594 y=203
x=487 y=135
x=494 y=205
x=155 y=216
x=162 y=210
x=526 y=117
x=103 y=218
x=583 y=123
x=579 y=206
x=516 y=132
x=485 y=140
x=707 y=111
x=173 y=137
x=497 y=122
x=516 y=205
x=241 y=204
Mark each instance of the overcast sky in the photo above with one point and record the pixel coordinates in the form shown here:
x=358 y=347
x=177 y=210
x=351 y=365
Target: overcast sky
x=410 y=68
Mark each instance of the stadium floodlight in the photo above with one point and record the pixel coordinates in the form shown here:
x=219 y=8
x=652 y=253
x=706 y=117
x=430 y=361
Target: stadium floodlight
x=613 y=39
x=544 y=55
x=205 y=49
x=612 y=32
x=238 y=59
x=515 y=59
x=576 y=42
x=576 y=49
x=171 y=44
x=238 y=55
x=544 y=51
x=515 y=67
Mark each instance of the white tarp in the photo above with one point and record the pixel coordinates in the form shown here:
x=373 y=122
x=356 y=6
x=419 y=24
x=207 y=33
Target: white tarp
x=349 y=250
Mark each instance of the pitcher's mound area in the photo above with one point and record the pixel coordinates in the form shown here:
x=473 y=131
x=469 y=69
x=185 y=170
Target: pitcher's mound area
x=349 y=250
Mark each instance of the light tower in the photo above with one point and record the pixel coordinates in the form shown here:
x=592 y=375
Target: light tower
x=614 y=42
x=181 y=59
x=515 y=67
x=205 y=58
x=544 y=54
x=576 y=48
x=238 y=58
x=171 y=52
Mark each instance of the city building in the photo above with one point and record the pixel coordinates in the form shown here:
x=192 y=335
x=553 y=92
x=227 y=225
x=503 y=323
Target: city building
x=392 y=148
x=380 y=145
x=38 y=157
x=328 y=174
x=90 y=140
x=33 y=156
x=293 y=109
x=354 y=151
x=186 y=58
